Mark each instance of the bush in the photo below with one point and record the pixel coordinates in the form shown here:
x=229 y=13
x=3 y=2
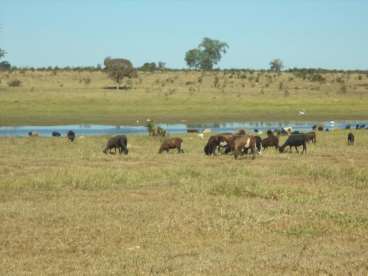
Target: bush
x=14 y=83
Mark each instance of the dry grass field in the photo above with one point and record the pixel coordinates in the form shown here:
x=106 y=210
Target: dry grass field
x=64 y=97
x=69 y=209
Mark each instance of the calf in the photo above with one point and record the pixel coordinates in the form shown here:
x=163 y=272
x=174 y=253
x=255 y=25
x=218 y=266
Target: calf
x=351 y=138
x=171 y=143
x=120 y=142
x=295 y=140
x=70 y=135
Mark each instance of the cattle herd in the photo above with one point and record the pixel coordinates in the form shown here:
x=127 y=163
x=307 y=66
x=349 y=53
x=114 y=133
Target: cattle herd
x=237 y=144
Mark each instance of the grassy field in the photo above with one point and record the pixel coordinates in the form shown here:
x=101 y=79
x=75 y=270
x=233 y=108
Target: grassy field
x=63 y=97
x=69 y=209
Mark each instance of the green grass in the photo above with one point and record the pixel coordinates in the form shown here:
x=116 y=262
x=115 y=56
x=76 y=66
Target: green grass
x=46 y=98
x=69 y=209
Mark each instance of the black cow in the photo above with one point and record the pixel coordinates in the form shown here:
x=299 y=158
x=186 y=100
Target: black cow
x=295 y=140
x=70 y=135
x=351 y=139
x=56 y=134
x=119 y=142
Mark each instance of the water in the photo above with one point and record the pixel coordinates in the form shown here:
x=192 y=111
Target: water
x=93 y=130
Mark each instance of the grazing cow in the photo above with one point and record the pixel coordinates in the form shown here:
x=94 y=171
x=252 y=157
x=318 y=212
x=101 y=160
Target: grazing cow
x=320 y=128
x=70 y=135
x=243 y=143
x=311 y=137
x=314 y=127
x=295 y=140
x=171 y=143
x=215 y=142
x=119 y=141
x=56 y=134
x=348 y=127
x=192 y=130
x=270 y=141
x=351 y=139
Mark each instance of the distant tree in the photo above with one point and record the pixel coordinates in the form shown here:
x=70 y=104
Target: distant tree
x=212 y=51
x=208 y=53
x=193 y=58
x=4 y=65
x=276 y=65
x=161 y=65
x=149 y=67
x=2 y=53
x=119 y=68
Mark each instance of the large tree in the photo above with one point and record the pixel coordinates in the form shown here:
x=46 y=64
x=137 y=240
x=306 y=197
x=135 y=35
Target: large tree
x=276 y=65
x=208 y=53
x=119 y=68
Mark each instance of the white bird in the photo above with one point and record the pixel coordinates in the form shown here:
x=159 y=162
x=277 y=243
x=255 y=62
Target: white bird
x=301 y=113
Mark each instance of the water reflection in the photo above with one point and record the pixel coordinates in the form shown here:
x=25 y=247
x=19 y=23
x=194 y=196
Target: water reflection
x=92 y=129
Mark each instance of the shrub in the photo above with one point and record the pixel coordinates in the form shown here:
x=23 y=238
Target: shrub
x=14 y=83
x=86 y=80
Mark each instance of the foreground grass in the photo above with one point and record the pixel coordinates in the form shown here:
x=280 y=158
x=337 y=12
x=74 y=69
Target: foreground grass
x=69 y=209
x=66 y=98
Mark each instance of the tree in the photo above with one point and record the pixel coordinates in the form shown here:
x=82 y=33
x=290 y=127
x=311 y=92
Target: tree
x=193 y=58
x=118 y=68
x=4 y=65
x=161 y=65
x=2 y=53
x=276 y=65
x=208 y=53
x=149 y=67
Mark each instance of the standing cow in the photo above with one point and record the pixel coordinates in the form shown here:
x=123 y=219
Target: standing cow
x=351 y=139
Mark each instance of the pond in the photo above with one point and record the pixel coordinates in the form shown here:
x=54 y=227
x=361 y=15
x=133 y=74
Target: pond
x=93 y=130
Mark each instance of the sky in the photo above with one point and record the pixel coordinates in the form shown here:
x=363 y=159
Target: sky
x=331 y=34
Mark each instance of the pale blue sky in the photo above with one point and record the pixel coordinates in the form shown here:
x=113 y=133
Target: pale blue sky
x=303 y=33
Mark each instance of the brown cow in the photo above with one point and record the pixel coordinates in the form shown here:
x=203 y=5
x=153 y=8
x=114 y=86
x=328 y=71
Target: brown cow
x=171 y=143
x=270 y=141
x=243 y=143
x=311 y=136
